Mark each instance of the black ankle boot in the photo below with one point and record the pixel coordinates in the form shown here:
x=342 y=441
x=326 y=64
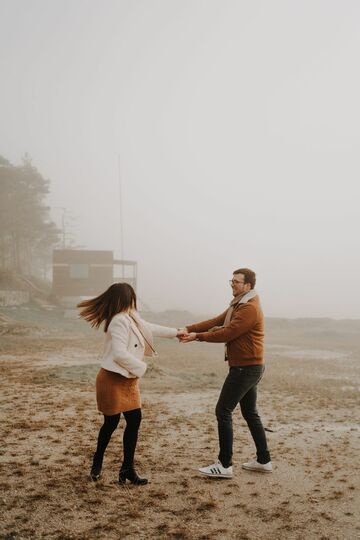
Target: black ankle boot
x=132 y=476
x=96 y=468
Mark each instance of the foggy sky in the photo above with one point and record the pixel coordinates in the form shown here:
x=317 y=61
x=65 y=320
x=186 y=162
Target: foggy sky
x=237 y=125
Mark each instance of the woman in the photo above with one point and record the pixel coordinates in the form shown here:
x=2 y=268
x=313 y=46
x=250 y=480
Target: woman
x=128 y=339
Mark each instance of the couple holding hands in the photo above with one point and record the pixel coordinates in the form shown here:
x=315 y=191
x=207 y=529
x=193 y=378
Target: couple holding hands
x=129 y=338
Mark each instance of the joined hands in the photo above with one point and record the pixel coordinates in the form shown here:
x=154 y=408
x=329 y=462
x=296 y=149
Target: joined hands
x=184 y=336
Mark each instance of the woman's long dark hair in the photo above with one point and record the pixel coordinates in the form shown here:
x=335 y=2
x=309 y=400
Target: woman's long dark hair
x=117 y=298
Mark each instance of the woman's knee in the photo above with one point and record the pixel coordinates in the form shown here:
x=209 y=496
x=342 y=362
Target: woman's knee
x=111 y=422
x=133 y=418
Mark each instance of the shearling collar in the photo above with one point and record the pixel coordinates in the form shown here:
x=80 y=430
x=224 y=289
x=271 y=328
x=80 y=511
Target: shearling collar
x=243 y=299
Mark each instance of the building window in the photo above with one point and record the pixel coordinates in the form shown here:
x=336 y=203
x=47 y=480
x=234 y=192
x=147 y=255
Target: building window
x=79 y=271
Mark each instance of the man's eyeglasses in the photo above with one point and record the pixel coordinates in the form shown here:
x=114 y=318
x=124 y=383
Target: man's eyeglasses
x=236 y=282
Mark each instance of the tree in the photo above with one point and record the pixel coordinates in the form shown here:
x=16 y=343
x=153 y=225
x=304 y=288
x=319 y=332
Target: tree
x=26 y=230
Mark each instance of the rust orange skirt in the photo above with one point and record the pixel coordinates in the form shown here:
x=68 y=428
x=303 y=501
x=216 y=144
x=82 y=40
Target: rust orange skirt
x=115 y=393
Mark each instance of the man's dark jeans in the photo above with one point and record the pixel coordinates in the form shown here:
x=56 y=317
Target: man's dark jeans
x=240 y=387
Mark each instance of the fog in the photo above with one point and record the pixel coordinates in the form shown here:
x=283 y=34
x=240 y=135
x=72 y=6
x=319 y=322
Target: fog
x=237 y=126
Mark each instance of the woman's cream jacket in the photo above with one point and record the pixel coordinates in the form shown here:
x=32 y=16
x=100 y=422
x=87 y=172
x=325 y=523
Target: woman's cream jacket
x=124 y=345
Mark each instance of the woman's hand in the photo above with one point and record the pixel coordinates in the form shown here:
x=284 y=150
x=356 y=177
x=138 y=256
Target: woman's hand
x=182 y=332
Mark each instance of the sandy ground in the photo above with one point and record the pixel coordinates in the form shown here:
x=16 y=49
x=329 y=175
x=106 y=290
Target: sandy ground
x=309 y=397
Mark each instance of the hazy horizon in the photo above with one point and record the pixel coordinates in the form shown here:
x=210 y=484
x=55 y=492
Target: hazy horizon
x=236 y=124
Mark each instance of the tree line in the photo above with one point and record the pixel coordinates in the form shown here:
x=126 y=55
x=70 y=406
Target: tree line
x=27 y=234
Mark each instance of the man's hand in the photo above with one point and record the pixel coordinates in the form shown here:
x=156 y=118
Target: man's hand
x=188 y=337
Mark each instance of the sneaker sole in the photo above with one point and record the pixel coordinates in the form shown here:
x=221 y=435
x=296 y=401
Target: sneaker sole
x=211 y=475
x=255 y=470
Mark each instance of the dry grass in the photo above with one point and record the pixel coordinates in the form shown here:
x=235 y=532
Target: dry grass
x=49 y=422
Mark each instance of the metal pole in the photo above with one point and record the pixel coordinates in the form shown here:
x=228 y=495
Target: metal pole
x=63 y=228
x=121 y=220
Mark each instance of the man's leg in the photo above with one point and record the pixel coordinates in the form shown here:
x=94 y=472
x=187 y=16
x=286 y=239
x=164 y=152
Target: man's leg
x=251 y=415
x=238 y=382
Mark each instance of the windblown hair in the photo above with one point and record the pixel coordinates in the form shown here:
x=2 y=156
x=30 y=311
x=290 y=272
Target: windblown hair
x=249 y=276
x=117 y=298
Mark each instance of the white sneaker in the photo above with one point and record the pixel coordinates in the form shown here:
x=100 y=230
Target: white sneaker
x=259 y=467
x=216 y=470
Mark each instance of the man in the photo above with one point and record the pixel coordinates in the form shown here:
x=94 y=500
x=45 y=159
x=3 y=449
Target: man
x=241 y=328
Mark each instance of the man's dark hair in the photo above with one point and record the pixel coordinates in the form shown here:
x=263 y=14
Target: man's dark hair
x=249 y=275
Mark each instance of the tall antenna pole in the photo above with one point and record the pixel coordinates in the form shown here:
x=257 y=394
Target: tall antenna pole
x=63 y=228
x=63 y=225
x=121 y=219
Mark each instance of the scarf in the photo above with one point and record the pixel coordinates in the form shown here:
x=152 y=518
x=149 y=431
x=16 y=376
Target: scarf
x=241 y=299
x=235 y=302
x=146 y=334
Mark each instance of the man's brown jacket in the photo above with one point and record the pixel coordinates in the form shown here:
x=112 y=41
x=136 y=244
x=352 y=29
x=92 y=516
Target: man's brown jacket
x=244 y=335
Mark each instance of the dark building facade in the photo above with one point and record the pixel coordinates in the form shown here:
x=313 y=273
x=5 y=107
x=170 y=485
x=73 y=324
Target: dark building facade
x=88 y=273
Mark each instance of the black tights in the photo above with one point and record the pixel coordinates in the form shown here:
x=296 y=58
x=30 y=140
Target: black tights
x=133 y=419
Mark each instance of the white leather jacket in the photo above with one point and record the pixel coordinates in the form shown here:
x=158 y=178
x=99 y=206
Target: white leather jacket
x=124 y=345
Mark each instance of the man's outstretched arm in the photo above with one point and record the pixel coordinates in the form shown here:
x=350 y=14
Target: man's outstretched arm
x=242 y=322
x=204 y=326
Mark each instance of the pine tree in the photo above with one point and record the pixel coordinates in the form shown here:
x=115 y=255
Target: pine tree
x=26 y=230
